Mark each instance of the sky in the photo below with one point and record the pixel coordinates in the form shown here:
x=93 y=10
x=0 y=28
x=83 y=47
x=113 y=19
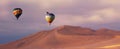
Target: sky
x=93 y=14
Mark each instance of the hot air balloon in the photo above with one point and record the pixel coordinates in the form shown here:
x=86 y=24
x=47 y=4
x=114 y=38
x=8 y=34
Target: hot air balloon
x=49 y=17
x=17 y=12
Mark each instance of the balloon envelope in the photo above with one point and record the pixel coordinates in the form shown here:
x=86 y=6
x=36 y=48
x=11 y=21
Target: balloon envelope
x=17 y=12
x=50 y=17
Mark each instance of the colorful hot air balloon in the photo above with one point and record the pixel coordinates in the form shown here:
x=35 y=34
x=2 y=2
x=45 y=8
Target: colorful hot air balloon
x=50 y=17
x=17 y=12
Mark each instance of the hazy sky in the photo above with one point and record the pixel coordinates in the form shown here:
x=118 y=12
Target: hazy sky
x=86 y=13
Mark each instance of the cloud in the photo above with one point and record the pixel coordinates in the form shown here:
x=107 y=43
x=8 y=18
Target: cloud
x=108 y=14
x=110 y=2
x=55 y=3
x=3 y=8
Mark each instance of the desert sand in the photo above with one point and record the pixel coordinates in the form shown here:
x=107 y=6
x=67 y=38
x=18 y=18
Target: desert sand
x=68 y=37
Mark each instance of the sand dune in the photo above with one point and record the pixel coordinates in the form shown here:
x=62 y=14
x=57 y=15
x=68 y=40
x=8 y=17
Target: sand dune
x=68 y=37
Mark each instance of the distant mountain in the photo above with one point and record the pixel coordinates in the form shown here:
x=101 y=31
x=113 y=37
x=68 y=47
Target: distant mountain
x=68 y=37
